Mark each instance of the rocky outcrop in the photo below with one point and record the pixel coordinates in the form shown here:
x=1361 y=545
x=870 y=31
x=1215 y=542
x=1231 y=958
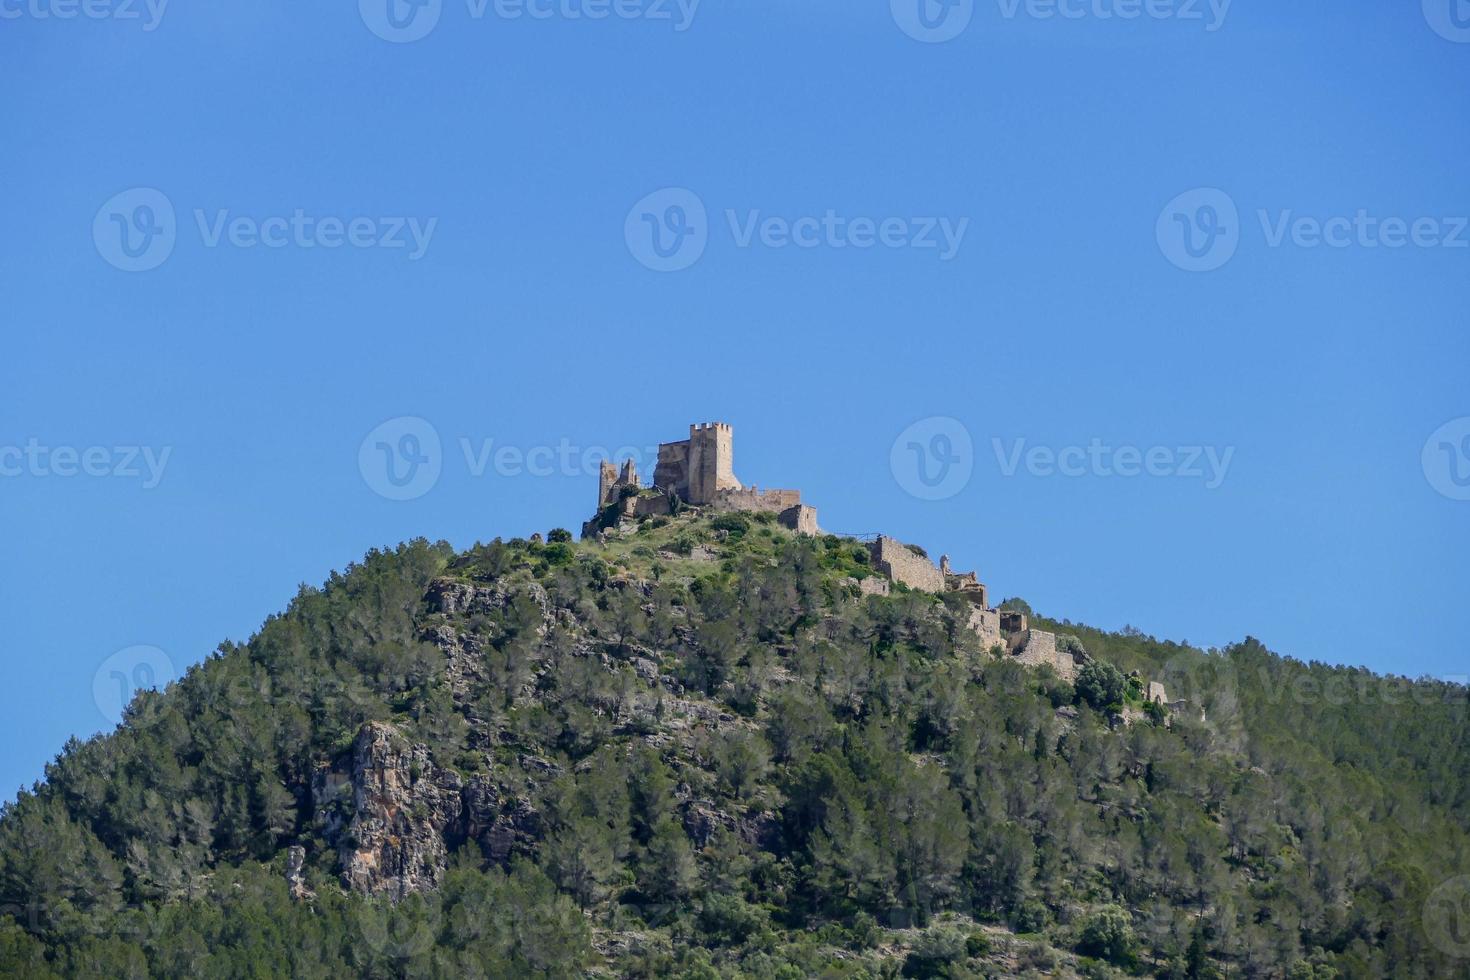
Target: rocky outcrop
x=464 y=658
x=296 y=873
x=500 y=823
x=455 y=597
x=387 y=808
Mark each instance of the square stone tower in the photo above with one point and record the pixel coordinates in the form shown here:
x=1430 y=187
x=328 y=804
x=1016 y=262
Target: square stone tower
x=711 y=461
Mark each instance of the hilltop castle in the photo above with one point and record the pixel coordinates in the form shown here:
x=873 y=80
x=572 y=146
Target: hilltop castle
x=699 y=472
x=694 y=472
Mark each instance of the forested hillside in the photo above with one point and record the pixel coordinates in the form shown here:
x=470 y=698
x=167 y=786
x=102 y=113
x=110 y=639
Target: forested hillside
x=698 y=751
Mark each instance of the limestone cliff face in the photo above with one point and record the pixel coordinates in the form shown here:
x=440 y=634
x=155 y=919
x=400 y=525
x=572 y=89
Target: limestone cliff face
x=389 y=810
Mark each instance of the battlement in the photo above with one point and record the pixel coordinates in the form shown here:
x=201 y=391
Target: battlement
x=700 y=471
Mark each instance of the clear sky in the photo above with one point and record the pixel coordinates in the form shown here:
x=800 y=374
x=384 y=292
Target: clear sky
x=1230 y=236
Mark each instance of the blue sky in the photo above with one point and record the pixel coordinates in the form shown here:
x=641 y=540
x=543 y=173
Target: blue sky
x=529 y=153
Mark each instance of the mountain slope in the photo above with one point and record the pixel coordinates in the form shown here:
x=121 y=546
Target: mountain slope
x=696 y=750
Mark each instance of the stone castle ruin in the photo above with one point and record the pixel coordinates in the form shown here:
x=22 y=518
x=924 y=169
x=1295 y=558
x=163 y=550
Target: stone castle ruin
x=699 y=472
x=694 y=472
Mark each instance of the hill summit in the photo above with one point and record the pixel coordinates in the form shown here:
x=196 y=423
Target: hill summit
x=712 y=741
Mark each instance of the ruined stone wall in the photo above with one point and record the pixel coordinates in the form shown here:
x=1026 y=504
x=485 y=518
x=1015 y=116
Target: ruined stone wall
x=893 y=558
x=607 y=475
x=610 y=482
x=801 y=519
x=985 y=623
x=754 y=499
x=672 y=471
x=1156 y=693
x=1040 y=647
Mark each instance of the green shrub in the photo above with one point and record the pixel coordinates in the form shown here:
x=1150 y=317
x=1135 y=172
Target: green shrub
x=934 y=950
x=559 y=535
x=1101 y=685
x=733 y=524
x=1108 y=935
x=559 y=553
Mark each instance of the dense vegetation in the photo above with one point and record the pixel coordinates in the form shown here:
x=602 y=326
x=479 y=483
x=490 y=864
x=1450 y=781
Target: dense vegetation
x=736 y=766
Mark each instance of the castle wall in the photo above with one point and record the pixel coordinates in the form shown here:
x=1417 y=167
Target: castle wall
x=607 y=475
x=801 y=519
x=711 y=461
x=610 y=482
x=1040 y=647
x=893 y=558
x=1156 y=693
x=672 y=471
x=985 y=623
x=754 y=499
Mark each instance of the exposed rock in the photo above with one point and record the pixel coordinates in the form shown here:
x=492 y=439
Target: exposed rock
x=463 y=657
x=387 y=809
x=501 y=824
x=702 y=819
x=454 y=597
x=295 y=873
x=762 y=830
